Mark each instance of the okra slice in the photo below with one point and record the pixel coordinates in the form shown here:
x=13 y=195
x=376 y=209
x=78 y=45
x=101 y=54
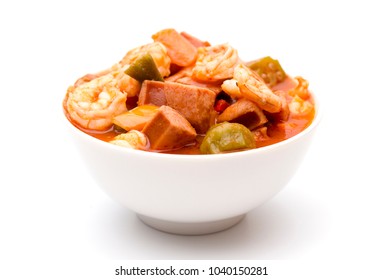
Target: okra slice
x=226 y=137
x=269 y=69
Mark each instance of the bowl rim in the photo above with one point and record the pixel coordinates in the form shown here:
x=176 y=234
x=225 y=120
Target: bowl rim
x=317 y=119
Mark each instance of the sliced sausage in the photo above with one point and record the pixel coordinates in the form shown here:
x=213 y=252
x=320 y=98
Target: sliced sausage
x=244 y=112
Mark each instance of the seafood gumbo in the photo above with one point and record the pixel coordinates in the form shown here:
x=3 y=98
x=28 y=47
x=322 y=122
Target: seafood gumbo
x=179 y=94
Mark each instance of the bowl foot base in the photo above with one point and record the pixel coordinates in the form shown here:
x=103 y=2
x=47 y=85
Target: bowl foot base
x=190 y=228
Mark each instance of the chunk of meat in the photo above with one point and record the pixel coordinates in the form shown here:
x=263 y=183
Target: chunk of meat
x=180 y=50
x=168 y=130
x=152 y=92
x=196 y=104
x=244 y=112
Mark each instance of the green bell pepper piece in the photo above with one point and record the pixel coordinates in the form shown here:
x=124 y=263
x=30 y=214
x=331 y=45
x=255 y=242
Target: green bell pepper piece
x=144 y=68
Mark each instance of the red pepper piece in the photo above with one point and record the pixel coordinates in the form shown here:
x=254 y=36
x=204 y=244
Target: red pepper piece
x=221 y=105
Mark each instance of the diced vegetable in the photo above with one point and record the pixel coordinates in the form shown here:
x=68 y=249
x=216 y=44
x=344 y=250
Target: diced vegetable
x=226 y=137
x=135 y=118
x=144 y=68
x=269 y=69
x=221 y=105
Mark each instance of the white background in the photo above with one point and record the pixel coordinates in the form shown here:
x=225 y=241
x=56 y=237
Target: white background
x=57 y=224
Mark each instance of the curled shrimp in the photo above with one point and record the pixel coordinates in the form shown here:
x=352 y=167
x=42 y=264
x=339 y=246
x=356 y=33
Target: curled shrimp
x=93 y=104
x=215 y=63
x=157 y=50
x=246 y=83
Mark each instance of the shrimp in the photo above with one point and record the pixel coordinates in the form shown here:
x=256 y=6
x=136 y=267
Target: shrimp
x=301 y=89
x=93 y=104
x=215 y=63
x=231 y=88
x=133 y=139
x=246 y=83
x=157 y=50
x=125 y=83
x=301 y=107
x=301 y=103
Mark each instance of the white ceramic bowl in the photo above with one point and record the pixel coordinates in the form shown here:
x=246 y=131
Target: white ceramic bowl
x=193 y=194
